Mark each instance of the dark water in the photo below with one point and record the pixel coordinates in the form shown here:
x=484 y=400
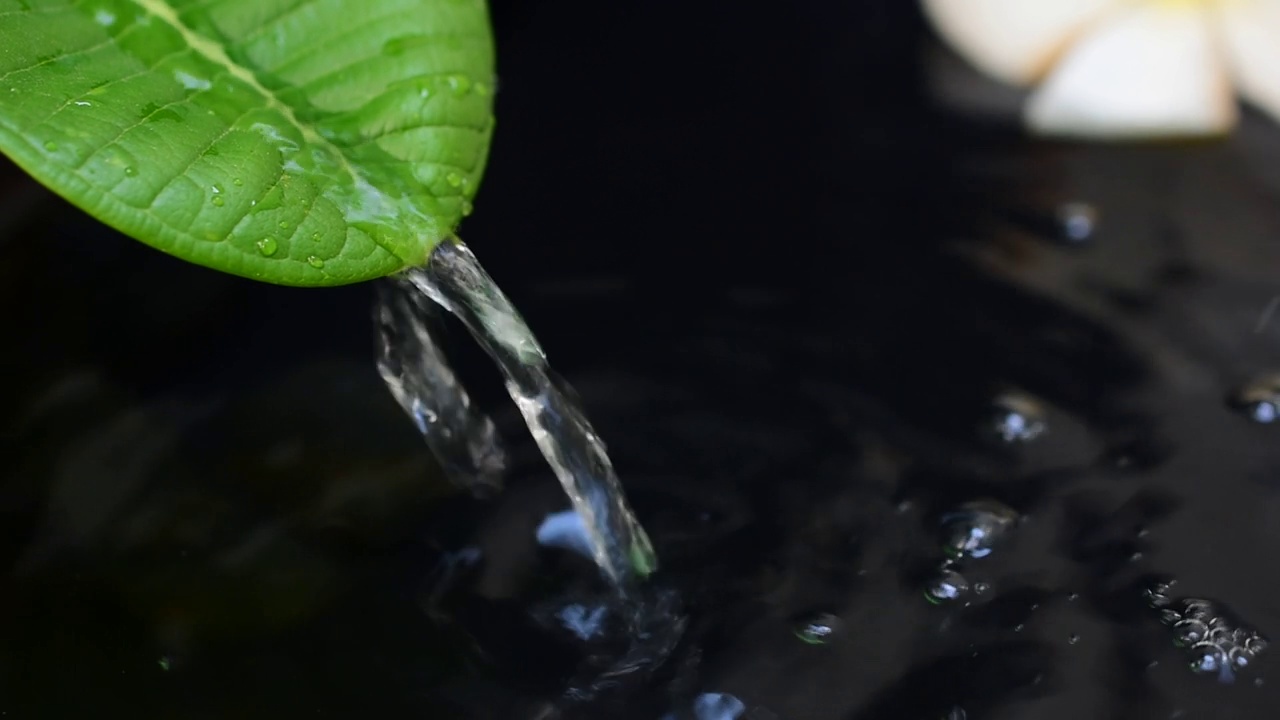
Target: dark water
x=788 y=287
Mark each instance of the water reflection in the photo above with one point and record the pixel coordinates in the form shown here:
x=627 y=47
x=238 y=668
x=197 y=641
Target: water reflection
x=191 y=543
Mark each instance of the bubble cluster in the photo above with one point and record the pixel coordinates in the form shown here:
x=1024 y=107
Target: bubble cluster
x=1215 y=641
x=970 y=531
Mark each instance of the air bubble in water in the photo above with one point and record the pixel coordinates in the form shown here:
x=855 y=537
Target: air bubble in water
x=1189 y=632
x=1207 y=658
x=973 y=529
x=1157 y=592
x=818 y=629
x=1078 y=221
x=1240 y=657
x=947 y=586
x=715 y=706
x=1259 y=400
x=1017 y=418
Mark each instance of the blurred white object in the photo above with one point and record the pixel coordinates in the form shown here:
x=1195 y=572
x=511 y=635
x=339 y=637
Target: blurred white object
x=1123 y=69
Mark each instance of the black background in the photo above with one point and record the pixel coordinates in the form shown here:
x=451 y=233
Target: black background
x=786 y=280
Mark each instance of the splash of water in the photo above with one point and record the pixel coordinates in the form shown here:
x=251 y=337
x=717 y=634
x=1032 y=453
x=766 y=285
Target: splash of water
x=454 y=279
x=415 y=370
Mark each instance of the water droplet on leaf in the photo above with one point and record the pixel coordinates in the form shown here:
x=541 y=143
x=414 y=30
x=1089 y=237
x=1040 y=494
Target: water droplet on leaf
x=268 y=246
x=218 y=201
x=460 y=84
x=315 y=262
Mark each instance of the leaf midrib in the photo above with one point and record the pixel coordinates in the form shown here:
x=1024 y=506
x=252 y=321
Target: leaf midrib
x=213 y=52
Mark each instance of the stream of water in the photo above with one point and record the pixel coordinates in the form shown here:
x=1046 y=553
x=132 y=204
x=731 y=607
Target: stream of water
x=419 y=376
x=413 y=366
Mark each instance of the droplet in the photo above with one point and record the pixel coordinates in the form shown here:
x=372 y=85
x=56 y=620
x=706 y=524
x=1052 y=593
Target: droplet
x=467 y=208
x=460 y=84
x=50 y=146
x=237 y=182
x=454 y=179
x=1256 y=643
x=717 y=706
x=315 y=262
x=947 y=586
x=1158 y=591
x=268 y=246
x=218 y=201
x=130 y=170
x=1188 y=632
x=974 y=528
x=818 y=629
x=1259 y=400
x=1017 y=418
x=1198 y=609
x=1207 y=658
x=315 y=237
x=1078 y=221
x=1240 y=657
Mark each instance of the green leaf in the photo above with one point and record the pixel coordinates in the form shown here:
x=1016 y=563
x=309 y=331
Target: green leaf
x=299 y=142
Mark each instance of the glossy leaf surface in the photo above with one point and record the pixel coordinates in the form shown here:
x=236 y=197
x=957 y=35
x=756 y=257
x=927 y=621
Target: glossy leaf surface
x=299 y=142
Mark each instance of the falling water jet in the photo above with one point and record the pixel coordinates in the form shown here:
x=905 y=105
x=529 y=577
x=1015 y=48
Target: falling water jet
x=454 y=279
x=415 y=370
